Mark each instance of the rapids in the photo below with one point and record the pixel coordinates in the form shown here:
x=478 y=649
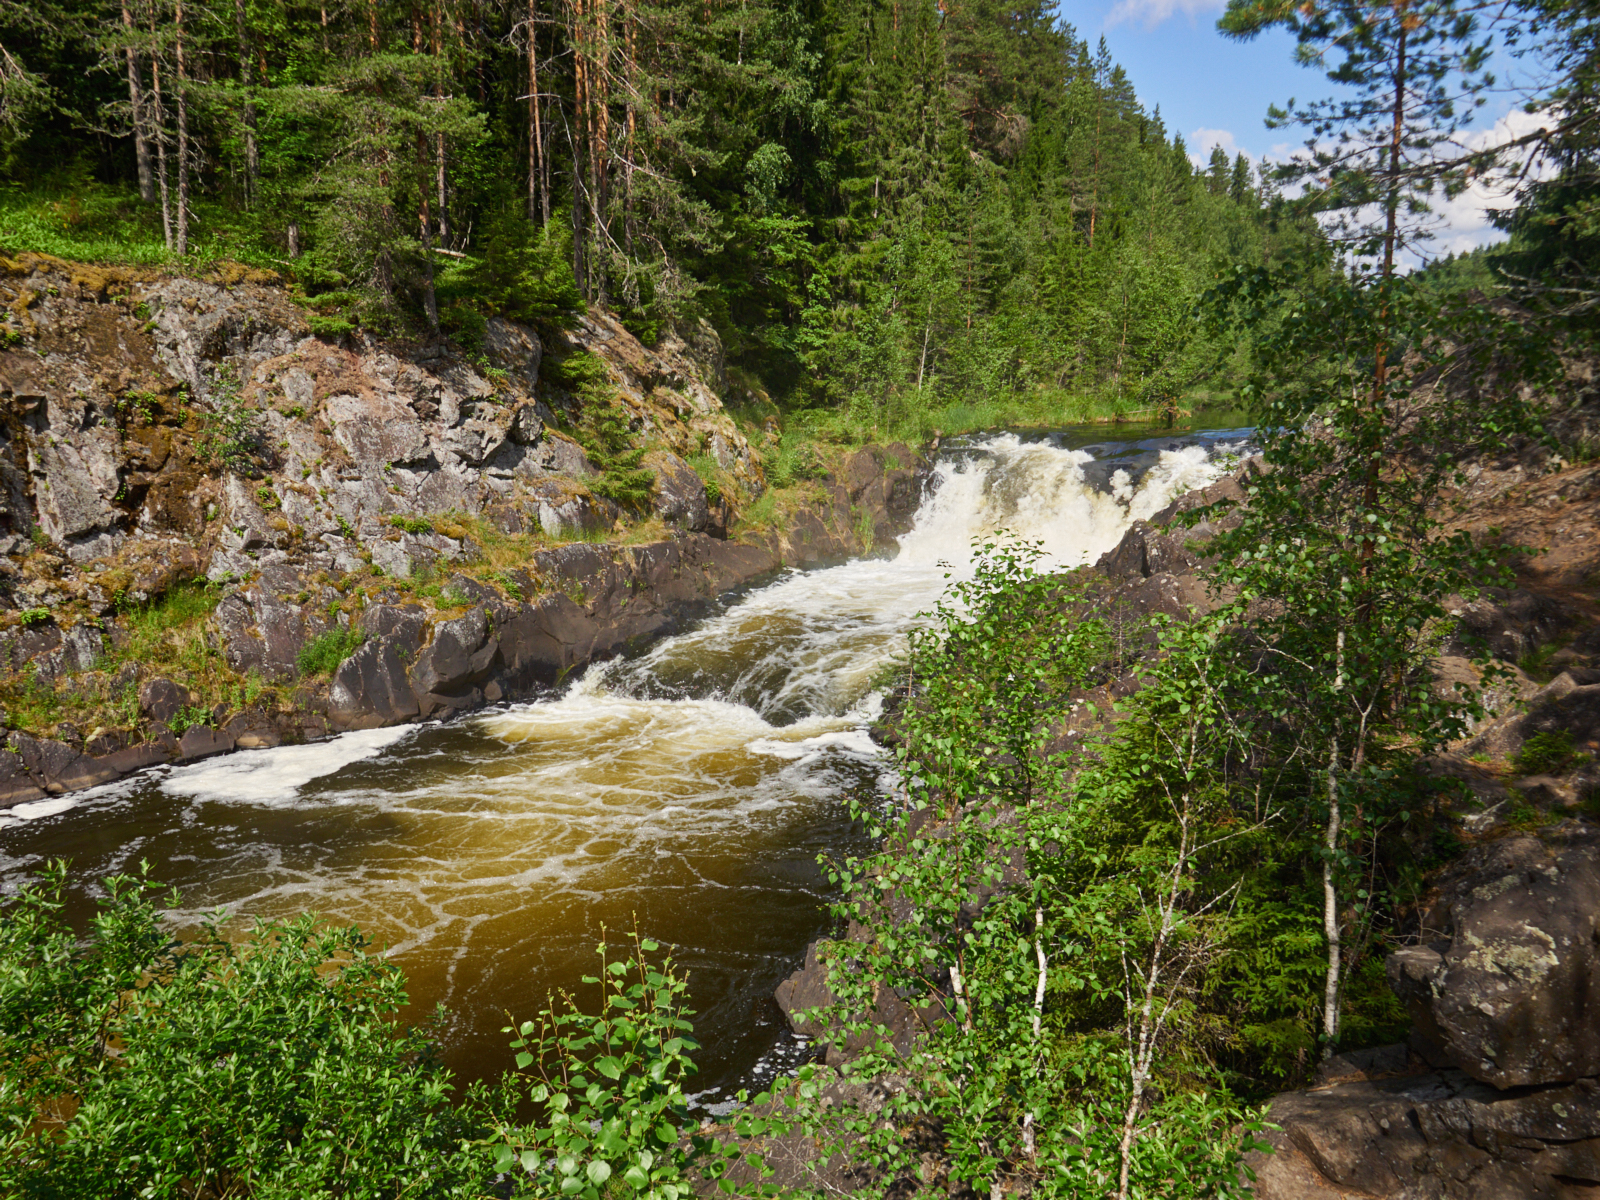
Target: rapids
x=692 y=786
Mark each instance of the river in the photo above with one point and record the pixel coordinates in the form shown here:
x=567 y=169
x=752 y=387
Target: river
x=690 y=788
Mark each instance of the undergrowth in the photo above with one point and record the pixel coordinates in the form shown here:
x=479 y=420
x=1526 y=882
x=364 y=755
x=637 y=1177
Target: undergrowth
x=323 y=653
x=73 y=216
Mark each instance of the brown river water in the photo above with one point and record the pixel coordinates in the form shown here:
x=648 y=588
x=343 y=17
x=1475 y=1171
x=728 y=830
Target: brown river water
x=690 y=788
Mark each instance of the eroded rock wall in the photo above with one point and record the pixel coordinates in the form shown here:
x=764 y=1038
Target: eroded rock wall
x=415 y=505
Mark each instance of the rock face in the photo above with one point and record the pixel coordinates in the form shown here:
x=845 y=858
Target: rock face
x=808 y=989
x=1429 y=1135
x=680 y=494
x=1510 y=993
x=122 y=430
x=335 y=497
x=1498 y=1094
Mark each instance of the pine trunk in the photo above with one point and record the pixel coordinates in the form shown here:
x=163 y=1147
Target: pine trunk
x=630 y=96
x=252 y=153
x=158 y=122
x=538 y=177
x=599 y=156
x=442 y=172
x=580 y=151
x=141 y=140
x=182 y=240
x=430 y=301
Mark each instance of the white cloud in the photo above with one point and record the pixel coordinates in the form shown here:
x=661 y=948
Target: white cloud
x=1461 y=223
x=1202 y=140
x=1464 y=220
x=1151 y=13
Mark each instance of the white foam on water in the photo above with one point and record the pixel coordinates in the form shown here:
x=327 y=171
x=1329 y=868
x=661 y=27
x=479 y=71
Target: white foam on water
x=478 y=853
x=857 y=742
x=275 y=776
x=35 y=809
x=1038 y=492
x=812 y=642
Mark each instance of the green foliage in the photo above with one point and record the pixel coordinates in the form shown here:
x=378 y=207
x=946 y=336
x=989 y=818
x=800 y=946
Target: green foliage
x=609 y=1088
x=140 y=404
x=524 y=272
x=410 y=524
x=31 y=703
x=578 y=372
x=1065 y=1031
x=794 y=460
x=189 y=717
x=711 y=474
x=323 y=653
x=1546 y=753
x=1347 y=566
x=992 y=673
x=34 y=616
x=268 y=1066
x=606 y=440
x=232 y=435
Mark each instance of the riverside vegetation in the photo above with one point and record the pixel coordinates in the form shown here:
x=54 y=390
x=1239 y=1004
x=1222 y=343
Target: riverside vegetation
x=1137 y=877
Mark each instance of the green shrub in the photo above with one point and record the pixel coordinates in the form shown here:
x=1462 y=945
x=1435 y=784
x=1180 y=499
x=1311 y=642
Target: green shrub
x=576 y=372
x=609 y=1088
x=525 y=273
x=405 y=524
x=30 y=703
x=710 y=471
x=329 y=327
x=188 y=717
x=795 y=461
x=33 y=616
x=323 y=653
x=231 y=433
x=622 y=479
x=1545 y=753
x=135 y=1065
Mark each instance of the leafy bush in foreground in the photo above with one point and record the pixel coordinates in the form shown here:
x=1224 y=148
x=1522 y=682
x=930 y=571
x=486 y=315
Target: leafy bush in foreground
x=135 y=1066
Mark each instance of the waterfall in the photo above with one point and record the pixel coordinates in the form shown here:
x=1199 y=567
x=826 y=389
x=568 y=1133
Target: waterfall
x=691 y=786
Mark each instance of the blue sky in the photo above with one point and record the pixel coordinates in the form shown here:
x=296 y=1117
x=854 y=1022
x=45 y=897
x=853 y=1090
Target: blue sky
x=1212 y=89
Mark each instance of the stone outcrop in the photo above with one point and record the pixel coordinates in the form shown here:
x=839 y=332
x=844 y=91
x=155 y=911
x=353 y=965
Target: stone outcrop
x=1498 y=1093
x=1380 y=1127
x=1509 y=988
x=163 y=434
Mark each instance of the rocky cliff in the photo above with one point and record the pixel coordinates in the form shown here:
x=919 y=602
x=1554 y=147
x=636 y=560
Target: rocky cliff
x=219 y=529
x=1496 y=1094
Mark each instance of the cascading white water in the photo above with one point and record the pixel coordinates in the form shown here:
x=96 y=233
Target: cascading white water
x=804 y=648
x=691 y=786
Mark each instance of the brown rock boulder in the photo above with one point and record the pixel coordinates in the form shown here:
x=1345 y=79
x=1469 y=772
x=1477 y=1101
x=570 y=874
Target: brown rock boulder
x=678 y=495
x=1430 y=1135
x=160 y=699
x=1513 y=996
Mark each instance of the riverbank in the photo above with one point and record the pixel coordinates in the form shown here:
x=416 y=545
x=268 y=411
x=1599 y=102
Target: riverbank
x=224 y=531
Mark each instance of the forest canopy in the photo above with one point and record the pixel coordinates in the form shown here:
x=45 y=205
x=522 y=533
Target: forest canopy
x=881 y=204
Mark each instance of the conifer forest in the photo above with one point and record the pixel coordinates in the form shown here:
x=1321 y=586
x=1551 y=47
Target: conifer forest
x=878 y=204
x=672 y=598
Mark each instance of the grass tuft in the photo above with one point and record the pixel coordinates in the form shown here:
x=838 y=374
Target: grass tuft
x=323 y=653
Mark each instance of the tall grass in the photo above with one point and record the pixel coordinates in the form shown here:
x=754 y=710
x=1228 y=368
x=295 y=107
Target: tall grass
x=75 y=217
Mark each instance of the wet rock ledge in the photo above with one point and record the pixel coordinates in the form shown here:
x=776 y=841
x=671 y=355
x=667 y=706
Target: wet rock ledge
x=219 y=530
